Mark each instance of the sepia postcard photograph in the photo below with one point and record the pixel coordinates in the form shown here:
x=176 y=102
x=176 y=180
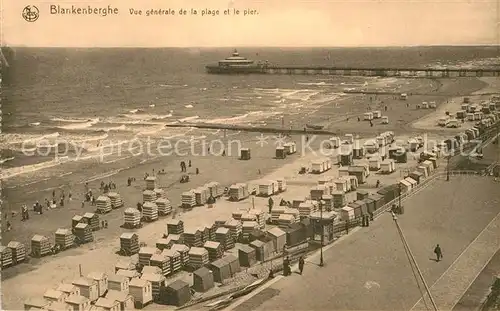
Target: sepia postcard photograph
x=250 y=155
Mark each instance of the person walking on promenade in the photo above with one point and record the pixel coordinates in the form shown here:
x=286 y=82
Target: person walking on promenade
x=301 y=264
x=438 y=252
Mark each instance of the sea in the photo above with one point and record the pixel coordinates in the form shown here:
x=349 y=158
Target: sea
x=65 y=104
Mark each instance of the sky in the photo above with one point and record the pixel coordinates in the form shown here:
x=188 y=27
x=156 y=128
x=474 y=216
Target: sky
x=283 y=23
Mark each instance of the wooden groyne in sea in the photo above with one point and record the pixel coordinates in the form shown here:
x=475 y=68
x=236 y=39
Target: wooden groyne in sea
x=255 y=129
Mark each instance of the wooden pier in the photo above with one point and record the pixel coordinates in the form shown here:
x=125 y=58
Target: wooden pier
x=386 y=72
x=380 y=72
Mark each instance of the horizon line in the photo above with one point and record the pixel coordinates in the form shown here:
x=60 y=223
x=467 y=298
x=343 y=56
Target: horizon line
x=253 y=46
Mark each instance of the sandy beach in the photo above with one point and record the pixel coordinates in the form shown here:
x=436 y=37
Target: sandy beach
x=405 y=120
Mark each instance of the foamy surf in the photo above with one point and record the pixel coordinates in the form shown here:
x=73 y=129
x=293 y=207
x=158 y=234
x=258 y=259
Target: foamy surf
x=70 y=120
x=188 y=119
x=189 y=106
x=80 y=125
x=2 y=161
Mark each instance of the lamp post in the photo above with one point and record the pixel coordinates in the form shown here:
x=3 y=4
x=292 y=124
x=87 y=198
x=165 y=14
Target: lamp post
x=399 y=197
x=448 y=168
x=321 y=262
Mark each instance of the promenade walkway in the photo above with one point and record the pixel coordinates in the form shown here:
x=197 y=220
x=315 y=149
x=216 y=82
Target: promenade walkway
x=368 y=270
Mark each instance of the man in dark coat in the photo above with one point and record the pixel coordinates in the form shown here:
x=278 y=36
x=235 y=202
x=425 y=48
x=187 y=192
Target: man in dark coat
x=438 y=252
x=301 y=264
x=270 y=204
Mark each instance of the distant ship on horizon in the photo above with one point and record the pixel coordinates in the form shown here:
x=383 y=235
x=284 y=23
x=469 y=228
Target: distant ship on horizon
x=236 y=64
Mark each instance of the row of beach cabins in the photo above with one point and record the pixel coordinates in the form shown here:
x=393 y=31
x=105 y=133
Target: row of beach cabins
x=373 y=115
x=485 y=114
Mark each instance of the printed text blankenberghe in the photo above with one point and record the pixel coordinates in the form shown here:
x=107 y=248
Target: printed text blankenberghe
x=86 y=10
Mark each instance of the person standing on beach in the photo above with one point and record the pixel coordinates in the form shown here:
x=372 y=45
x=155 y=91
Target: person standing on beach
x=438 y=252
x=189 y=163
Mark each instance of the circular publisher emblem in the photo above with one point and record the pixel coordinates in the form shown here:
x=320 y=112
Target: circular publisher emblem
x=31 y=13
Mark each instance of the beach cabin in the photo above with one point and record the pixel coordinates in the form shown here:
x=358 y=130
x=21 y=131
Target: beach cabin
x=345 y=158
x=377 y=114
x=425 y=105
x=334 y=142
x=157 y=281
x=280 y=153
x=360 y=172
x=341 y=185
x=429 y=165
x=221 y=270
x=118 y=283
x=247 y=256
x=107 y=304
x=377 y=199
x=347 y=213
x=78 y=303
x=442 y=121
x=370 y=205
x=124 y=264
x=262 y=250
x=461 y=114
x=142 y=291
x=385 y=120
x=367 y=116
x=412 y=181
x=69 y=289
x=417 y=176
x=88 y=288
x=177 y=294
x=290 y=148
x=413 y=145
x=371 y=146
x=322 y=227
x=54 y=295
x=130 y=274
x=403 y=96
x=358 y=152
x=102 y=281
x=58 y=306
x=125 y=300
x=381 y=140
x=374 y=164
x=279 y=238
x=245 y=154
x=203 y=280
x=36 y=304
x=405 y=186
x=387 y=166
x=349 y=139
x=432 y=104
